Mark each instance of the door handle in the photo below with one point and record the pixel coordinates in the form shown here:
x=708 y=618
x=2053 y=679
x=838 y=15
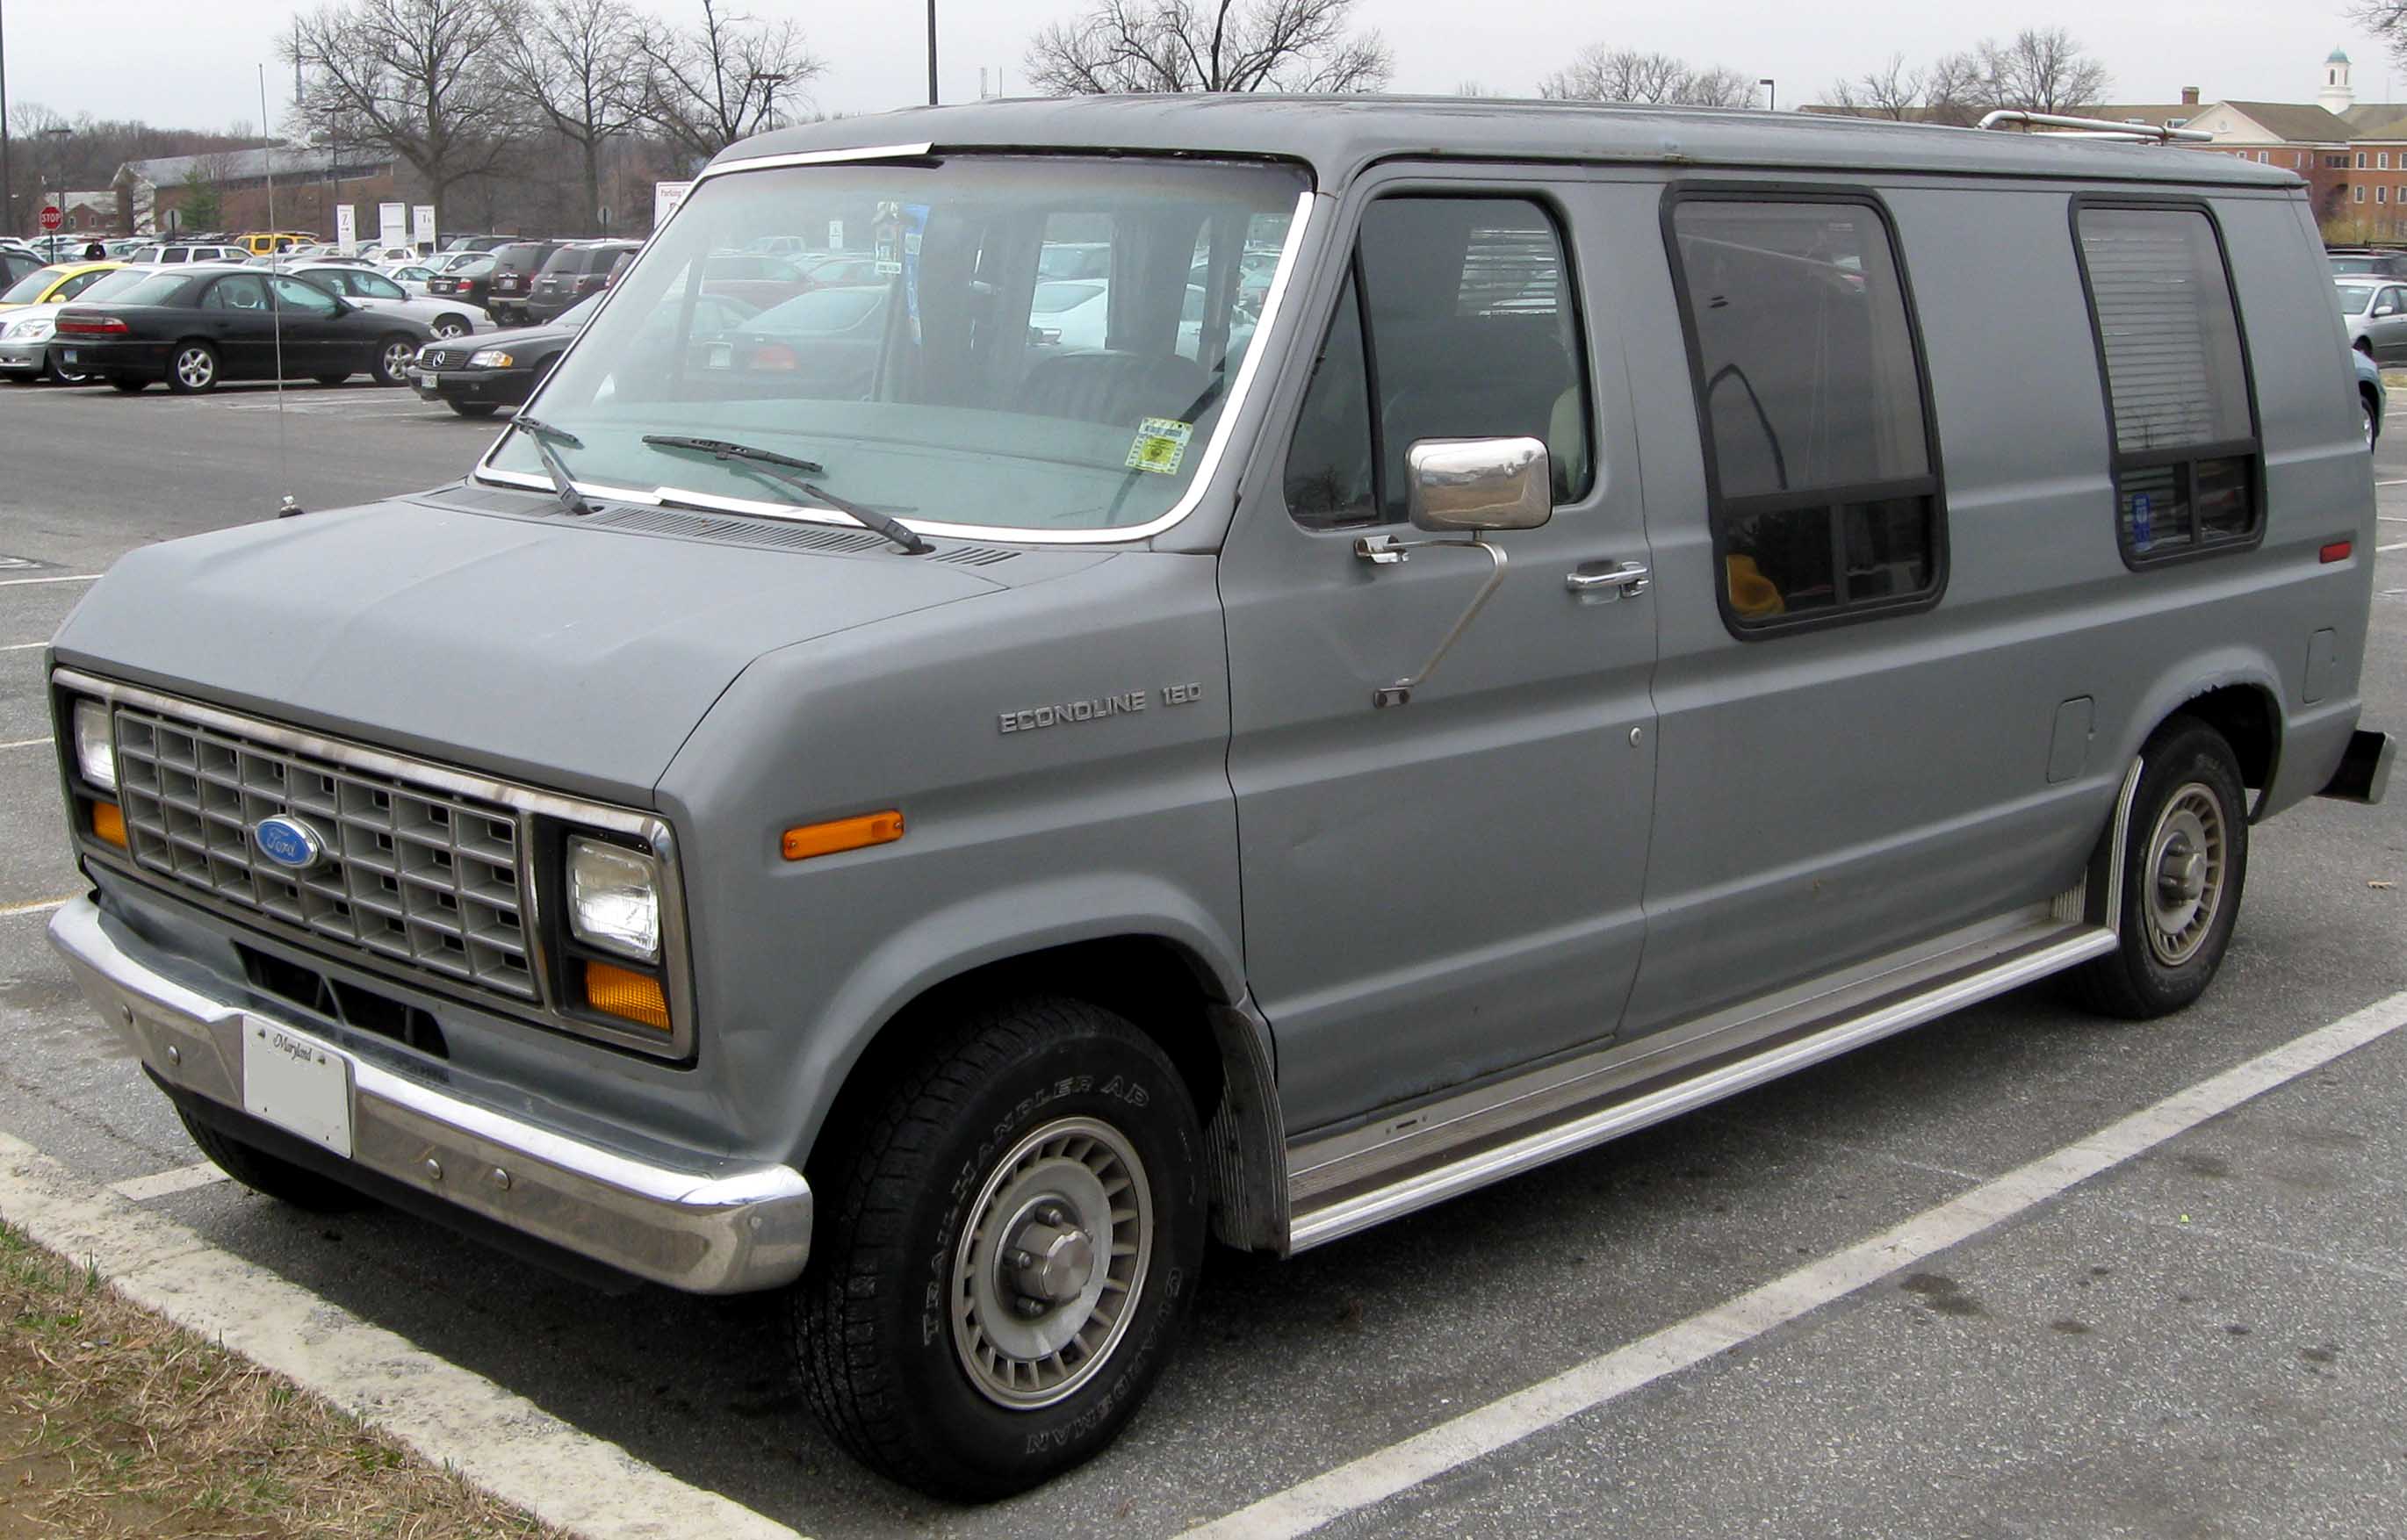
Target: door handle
x=1621 y=577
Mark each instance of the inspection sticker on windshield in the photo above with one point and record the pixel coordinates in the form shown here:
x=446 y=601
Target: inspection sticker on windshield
x=1161 y=445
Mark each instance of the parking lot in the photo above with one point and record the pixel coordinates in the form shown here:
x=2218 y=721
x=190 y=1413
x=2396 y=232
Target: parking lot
x=2204 y=1337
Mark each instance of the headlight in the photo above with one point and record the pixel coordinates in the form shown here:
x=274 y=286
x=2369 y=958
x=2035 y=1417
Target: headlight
x=492 y=358
x=95 y=753
x=614 y=898
x=29 y=331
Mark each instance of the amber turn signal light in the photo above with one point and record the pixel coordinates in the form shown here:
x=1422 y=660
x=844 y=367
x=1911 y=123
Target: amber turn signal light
x=108 y=823
x=627 y=995
x=853 y=834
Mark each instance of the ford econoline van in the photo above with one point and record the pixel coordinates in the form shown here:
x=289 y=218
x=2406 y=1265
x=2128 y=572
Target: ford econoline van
x=1518 y=621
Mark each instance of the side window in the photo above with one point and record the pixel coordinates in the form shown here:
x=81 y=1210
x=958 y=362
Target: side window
x=241 y=292
x=78 y=284
x=2187 y=459
x=375 y=287
x=1821 y=473
x=293 y=294
x=1456 y=322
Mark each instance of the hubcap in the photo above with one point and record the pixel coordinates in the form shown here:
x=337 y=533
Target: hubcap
x=2185 y=868
x=195 y=366
x=396 y=357
x=450 y=329
x=1051 y=1263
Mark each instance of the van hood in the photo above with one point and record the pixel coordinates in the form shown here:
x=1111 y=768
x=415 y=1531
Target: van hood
x=540 y=650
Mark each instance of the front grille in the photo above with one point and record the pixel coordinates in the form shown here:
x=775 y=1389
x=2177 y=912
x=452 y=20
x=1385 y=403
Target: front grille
x=436 y=358
x=418 y=876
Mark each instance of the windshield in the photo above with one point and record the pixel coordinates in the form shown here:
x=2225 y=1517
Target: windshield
x=2353 y=298
x=2360 y=265
x=29 y=288
x=950 y=388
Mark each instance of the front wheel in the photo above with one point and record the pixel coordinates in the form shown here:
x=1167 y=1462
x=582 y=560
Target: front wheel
x=2178 y=894
x=271 y=1176
x=392 y=360
x=1014 y=1235
x=60 y=375
x=193 y=369
x=2372 y=424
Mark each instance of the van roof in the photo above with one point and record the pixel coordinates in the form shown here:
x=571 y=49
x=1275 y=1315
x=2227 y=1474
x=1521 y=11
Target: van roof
x=1340 y=136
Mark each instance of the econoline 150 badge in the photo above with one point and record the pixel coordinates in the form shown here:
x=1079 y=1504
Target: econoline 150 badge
x=289 y=842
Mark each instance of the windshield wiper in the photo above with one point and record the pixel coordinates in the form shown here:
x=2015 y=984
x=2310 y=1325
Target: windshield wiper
x=541 y=434
x=785 y=468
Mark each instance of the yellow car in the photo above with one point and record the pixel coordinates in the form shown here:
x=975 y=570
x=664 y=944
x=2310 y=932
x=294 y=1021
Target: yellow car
x=55 y=284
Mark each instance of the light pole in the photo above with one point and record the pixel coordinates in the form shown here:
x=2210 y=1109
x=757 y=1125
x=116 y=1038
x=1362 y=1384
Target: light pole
x=932 y=52
x=58 y=137
x=1771 y=95
x=8 y=192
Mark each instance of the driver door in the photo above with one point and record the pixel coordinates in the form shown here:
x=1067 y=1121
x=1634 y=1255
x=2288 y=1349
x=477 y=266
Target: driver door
x=1448 y=885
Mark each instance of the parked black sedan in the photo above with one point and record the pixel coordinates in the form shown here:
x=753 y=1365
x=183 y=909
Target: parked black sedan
x=476 y=376
x=198 y=325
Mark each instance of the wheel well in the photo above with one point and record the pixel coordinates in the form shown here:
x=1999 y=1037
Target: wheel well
x=2248 y=719
x=1156 y=985
x=2363 y=345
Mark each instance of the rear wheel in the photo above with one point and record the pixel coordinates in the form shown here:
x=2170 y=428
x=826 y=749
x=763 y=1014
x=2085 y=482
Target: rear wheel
x=2185 y=862
x=474 y=409
x=272 y=1174
x=392 y=360
x=56 y=375
x=1014 y=1234
x=2372 y=419
x=453 y=326
x=193 y=369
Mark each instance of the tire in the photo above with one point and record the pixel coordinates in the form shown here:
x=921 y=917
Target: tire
x=331 y=381
x=128 y=386
x=56 y=376
x=2178 y=895
x=474 y=408
x=193 y=369
x=2372 y=419
x=271 y=1176
x=912 y=1330
x=393 y=356
x=2362 y=346
x=448 y=327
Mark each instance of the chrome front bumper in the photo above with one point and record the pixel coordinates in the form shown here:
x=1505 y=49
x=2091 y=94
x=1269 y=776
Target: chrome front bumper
x=724 y=1232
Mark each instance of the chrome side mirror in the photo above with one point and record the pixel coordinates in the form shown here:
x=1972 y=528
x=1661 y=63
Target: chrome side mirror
x=1474 y=484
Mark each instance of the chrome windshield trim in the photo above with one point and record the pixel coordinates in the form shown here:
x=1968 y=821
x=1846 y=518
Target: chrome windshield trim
x=1207 y=465
x=816 y=157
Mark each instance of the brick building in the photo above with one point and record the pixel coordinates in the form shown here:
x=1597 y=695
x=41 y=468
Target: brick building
x=153 y=195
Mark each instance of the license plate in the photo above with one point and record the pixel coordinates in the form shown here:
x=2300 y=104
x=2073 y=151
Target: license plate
x=424 y=377
x=297 y=1083
x=67 y=353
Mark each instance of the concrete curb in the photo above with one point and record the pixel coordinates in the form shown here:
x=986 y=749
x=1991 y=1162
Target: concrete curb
x=497 y=1439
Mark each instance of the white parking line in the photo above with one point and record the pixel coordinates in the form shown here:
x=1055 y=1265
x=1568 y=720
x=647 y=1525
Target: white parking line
x=502 y=1442
x=27 y=743
x=167 y=1183
x=2396 y=545
x=39 y=905
x=1457 y=1442
x=75 y=578
x=22 y=646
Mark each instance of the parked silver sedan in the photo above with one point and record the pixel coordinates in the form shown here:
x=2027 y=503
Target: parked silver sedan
x=2375 y=312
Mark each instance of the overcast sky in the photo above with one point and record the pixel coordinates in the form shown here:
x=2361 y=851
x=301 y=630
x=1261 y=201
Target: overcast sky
x=193 y=63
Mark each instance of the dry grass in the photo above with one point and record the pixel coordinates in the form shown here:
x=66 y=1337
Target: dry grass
x=114 y=1422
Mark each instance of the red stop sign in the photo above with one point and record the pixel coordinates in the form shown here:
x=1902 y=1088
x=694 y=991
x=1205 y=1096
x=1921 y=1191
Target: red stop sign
x=52 y=218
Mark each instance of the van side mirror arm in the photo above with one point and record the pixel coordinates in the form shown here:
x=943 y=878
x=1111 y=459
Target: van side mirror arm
x=1386 y=550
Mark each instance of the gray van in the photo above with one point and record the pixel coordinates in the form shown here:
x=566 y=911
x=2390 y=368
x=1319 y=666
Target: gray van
x=1642 y=601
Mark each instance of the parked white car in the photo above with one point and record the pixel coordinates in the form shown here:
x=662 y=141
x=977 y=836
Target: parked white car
x=373 y=291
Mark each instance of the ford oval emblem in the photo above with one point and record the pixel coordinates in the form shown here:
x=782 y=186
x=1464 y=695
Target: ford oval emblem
x=289 y=842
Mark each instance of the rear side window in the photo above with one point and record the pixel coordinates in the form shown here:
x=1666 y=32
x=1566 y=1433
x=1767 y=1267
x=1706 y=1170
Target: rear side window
x=2186 y=461
x=1821 y=469
x=1456 y=322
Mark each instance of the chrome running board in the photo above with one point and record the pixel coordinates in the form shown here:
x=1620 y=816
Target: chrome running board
x=1408 y=1160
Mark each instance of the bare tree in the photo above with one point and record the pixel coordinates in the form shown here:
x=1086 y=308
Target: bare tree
x=1956 y=91
x=1892 y=92
x=1208 y=45
x=2043 y=70
x=427 y=80
x=729 y=76
x=1602 y=74
x=584 y=69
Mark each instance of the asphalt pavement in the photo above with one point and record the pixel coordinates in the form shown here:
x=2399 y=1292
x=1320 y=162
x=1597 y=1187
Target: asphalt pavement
x=2206 y=1339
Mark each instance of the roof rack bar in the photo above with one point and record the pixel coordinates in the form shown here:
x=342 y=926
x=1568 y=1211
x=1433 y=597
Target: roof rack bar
x=2097 y=128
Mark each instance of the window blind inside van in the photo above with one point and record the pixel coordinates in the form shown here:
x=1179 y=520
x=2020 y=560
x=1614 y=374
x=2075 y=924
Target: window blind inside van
x=2165 y=321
